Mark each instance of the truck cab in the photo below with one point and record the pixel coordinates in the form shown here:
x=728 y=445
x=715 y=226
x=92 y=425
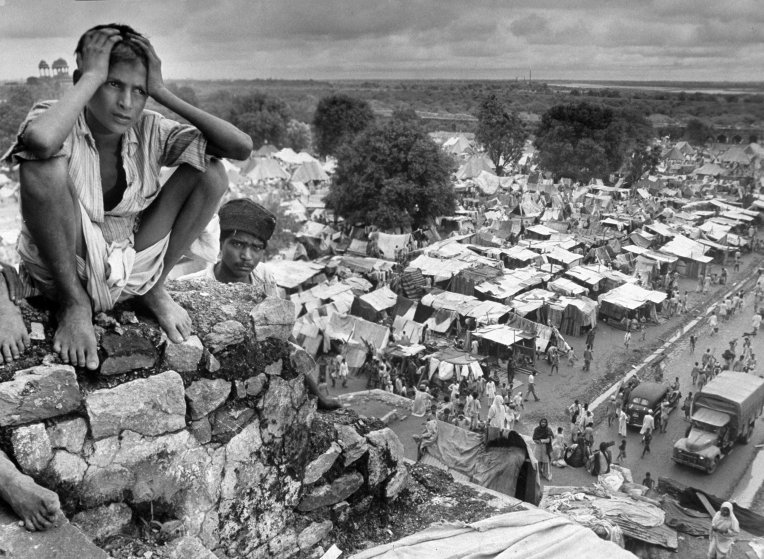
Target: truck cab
x=708 y=438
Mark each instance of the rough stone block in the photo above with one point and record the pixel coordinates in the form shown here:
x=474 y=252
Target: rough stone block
x=321 y=465
x=126 y=353
x=227 y=422
x=340 y=512
x=31 y=447
x=202 y=430
x=211 y=364
x=282 y=403
x=255 y=385
x=150 y=406
x=240 y=389
x=274 y=368
x=313 y=534
x=188 y=547
x=353 y=445
x=273 y=318
x=387 y=439
x=103 y=522
x=69 y=434
x=284 y=544
x=206 y=395
x=39 y=393
x=330 y=494
x=377 y=466
x=397 y=483
x=224 y=334
x=67 y=467
x=185 y=356
x=302 y=361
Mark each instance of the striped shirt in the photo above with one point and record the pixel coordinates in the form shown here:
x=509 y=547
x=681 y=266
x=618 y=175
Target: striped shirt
x=151 y=143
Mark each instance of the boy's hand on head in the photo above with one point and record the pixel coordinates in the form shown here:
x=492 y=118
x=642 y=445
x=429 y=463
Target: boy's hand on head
x=154 y=81
x=94 y=58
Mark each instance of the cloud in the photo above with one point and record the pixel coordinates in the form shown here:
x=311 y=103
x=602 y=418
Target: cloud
x=614 y=39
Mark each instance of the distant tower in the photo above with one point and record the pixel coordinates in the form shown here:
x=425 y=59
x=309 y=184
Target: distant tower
x=60 y=68
x=44 y=69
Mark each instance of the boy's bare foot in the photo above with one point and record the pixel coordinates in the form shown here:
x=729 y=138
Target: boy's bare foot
x=14 y=338
x=37 y=507
x=173 y=318
x=75 y=340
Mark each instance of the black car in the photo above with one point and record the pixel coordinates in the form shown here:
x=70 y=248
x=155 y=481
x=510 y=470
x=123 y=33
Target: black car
x=648 y=396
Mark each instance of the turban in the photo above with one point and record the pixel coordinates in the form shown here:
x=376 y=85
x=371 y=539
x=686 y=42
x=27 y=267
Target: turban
x=250 y=217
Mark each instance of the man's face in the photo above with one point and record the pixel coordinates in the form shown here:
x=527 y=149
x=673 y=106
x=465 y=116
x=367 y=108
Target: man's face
x=241 y=252
x=119 y=101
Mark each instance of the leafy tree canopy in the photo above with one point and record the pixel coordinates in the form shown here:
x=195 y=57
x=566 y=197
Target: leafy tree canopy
x=262 y=116
x=299 y=136
x=584 y=141
x=501 y=133
x=337 y=119
x=392 y=175
x=697 y=132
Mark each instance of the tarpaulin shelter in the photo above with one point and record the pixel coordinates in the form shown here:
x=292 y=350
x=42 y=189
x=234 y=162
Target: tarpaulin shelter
x=692 y=260
x=566 y=287
x=465 y=452
x=530 y=534
x=291 y=274
x=630 y=300
x=503 y=337
x=474 y=166
x=373 y=306
x=412 y=331
x=413 y=283
x=355 y=332
x=389 y=245
x=440 y=269
x=449 y=363
x=267 y=169
x=309 y=172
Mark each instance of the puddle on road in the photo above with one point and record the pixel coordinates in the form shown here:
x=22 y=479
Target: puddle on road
x=747 y=488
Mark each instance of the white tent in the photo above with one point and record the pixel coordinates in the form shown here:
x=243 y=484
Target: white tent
x=267 y=169
x=309 y=171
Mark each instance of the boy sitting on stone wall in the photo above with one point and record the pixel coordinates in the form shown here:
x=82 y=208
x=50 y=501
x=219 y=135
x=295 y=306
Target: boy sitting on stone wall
x=98 y=226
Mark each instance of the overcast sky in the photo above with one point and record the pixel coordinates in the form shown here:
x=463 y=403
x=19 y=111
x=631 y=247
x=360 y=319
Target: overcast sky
x=463 y=39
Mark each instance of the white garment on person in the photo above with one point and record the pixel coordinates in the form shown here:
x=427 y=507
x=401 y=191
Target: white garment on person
x=260 y=275
x=648 y=423
x=496 y=414
x=723 y=531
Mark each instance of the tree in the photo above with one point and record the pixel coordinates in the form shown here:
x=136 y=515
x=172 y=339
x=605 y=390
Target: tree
x=299 y=136
x=261 y=116
x=582 y=141
x=337 y=119
x=17 y=103
x=501 y=133
x=644 y=159
x=392 y=175
x=697 y=132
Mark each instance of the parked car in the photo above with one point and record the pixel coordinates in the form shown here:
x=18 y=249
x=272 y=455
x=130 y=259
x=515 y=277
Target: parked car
x=648 y=396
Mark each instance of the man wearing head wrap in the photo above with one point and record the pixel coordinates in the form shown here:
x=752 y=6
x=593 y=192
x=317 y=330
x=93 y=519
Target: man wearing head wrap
x=245 y=229
x=724 y=528
x=542 y=436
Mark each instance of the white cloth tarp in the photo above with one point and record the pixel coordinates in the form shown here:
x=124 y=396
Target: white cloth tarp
x=408 y=328
x=566 y=287
x=684 y=247
x=440 y=269
x=502 y=334
x=630 y=296
x=307 y=172
x=389 y=244
x=353 y=329
x=290 y=274
x=522 y=534
x=267 y=169
x=381 y=299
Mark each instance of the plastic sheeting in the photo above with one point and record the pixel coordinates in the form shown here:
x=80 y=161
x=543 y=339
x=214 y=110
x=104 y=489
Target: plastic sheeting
x=526 y=534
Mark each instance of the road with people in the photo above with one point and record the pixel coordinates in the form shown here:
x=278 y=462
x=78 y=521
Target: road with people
x=679 y=363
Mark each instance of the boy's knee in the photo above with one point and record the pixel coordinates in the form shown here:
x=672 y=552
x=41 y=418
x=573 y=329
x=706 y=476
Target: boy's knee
x=215 y=179
x=43 y=179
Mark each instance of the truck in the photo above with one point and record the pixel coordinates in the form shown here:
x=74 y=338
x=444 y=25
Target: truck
x=723 y=412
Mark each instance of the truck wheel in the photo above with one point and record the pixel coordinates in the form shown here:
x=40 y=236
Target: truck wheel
x=712 y=467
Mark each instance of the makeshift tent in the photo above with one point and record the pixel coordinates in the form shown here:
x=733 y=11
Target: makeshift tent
x=450 y=363
x=474 y=166
x=566 y=287
x=631 y=301
x=291 y=274
x=692 y=259
x=389 y=245
x=267 y=169
x=309 y=172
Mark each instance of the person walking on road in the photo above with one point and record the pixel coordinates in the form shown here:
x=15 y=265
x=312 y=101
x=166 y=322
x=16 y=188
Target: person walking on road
x=531 y=388
x=687 y=406
x=554 y=358
x=590 y=337
x=588 y=356
x=610 y=411
x=622 y=420
x=664 y=415
x=695 y=372
x=693 y=340
x=648 y=424
x=755 y=323
x=627 y=339
x=621 y=458
x=647 y=437
x=713 y=324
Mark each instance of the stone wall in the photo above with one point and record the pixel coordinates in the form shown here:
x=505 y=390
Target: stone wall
x=216 y=439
